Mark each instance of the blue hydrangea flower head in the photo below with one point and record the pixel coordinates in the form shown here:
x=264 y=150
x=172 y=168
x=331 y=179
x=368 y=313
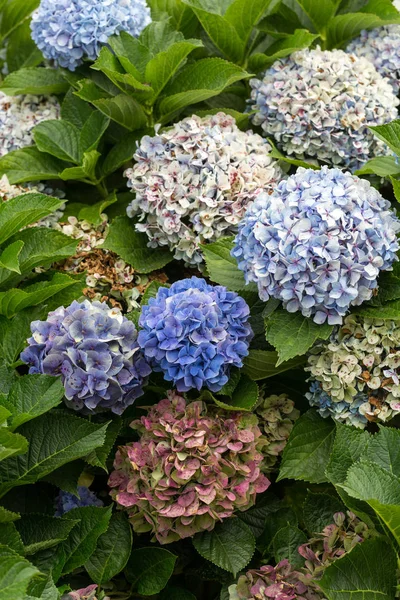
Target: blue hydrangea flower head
x=66 y=501
x=318 y=242
x=320 y=104
x=67 y=31
x=194 y=333
x=95 y=350
x=381 y=46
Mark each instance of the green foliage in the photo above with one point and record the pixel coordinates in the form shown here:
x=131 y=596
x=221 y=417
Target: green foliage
x=149 y=569
x=261 y=364
x=15 y=574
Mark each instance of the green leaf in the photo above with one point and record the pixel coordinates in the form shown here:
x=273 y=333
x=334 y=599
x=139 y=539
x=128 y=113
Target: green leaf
x=66 y=477
x=368 y=572
x=230 y=545
x=29 y=164
x=9 y=258
x=300 y=39
x=260 y=364
x=121 y=153
x=15 y=575
x=15 y=300
x=316 y=12
x=123 y=109
x=285 y=544
x=318 y=511
x=244 y=397
x=11 y=444
x=32 y=395
x=368 y=481
x=112 y=551
x=58 y=138
x=151 y=291
x=204 y=79
x=99 y=456
x=34 y=80
x=54 y=439
x=149 y=569
x=75 y=110
x=132 y=247
x=383 y=166
x=222 y=267
x=81 y=542
x=87 y=170
x=257 y=516
x=13 y=334
x=292 y=334
x=23 y=210
x=10 y=537
x=342 y=28
x=307 y=452
x=14 y=12
x=39 y=532
x=21 y=49
x=164 y=65
x=110 y=65
x=92 y=131
x=92 y=213
x=182 y=17
x=396 y=188
x=390 y=134
x=7 y=516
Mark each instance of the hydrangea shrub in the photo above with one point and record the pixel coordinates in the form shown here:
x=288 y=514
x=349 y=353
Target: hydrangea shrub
x=194 y=181
x=193 y=466
x=355 y=375
x=95 y=350
x=320 y=104
x=318 y=243
x=194 y=333
x=69 y=31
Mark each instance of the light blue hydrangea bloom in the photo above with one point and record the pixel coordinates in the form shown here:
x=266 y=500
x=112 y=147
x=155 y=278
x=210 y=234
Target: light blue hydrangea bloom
x=381 y=46
x=318 y=242
x=68 y=31
x=194 y=333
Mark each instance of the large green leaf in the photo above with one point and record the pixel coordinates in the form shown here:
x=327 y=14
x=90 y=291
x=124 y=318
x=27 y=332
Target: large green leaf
x=260 y=364
x=222 y=267
x=342 y=28
x=181 y=16
x=390 y=134
x=21 y=49
x=9 y=257
x=123 y=109
x=230 y=545
x=204 y=79
x=32 y=395
x=112 y=551
x=10 y=537
x=307 y=452
x=384 y=449
x=149 y=569
x=29 y=164
x=285 y=544
x=11 y=444
x=34 y=80
x=300 y=39
x=54 y=439
x=368 y=572
x=292 y=334
x=58 y=138
x=132 y=246
x=15 y=574
x=39 y=532
x=14 y=12
x=318 y=511
x=383 y=166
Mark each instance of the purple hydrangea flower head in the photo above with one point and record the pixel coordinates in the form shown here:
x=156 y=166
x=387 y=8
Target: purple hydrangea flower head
x=318 y=242
x=95 y=350
x=194 y=333
x=67 y=501
x=381 y=46
x=67 y=31
x=355 y=375
x=194 y=465
x=194 y=181
x=320 y=104
x=18 y=116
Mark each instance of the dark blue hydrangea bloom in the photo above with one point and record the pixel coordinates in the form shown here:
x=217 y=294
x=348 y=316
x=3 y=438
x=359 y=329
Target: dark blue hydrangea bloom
x=95 y=350
x=318 y=242
x=66 y=501
x=67 y=31
x=194 y=332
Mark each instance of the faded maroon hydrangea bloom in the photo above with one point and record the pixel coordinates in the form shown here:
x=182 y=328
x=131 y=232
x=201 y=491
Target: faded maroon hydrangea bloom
x=193 y=466
x=87 y=593
x=281 y=583
x=334 y=541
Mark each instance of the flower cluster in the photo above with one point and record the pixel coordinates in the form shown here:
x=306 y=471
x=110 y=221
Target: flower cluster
x=355 y=375
x=334 y=541
x=68 y=31
x=193 y=466
x=318 y=243
x=381 y=46
x=194 y=181
x=277 y=416
x=320 y=104
x=95 y=350
x=282 y=582
x=87 y=593
x=67 y=501
x=18 y=116
x=194 y=333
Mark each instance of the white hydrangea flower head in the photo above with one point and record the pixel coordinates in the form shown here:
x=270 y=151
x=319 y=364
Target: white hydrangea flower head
x=18 y=116
x=381 y=46
x=194 y=181
x=355 y=376
x=321 y=103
